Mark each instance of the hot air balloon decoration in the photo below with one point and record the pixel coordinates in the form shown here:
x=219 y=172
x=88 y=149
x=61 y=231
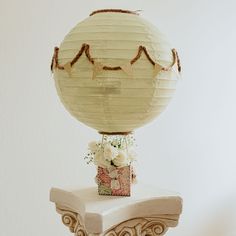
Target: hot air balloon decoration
x=115 y=72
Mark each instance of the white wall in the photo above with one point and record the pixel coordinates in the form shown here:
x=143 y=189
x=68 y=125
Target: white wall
x=190 y=148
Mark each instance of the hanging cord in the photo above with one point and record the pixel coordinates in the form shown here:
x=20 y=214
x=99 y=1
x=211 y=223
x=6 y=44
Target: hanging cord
x=126 y=144
x=102 y=145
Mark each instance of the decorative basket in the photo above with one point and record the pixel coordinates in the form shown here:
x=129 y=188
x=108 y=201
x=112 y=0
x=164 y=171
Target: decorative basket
x=114 y=181
x=113 y=156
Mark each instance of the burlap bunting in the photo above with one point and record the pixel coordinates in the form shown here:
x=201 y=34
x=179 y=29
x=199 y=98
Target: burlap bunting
x=97 y=69
x=67 y=68
x=127 y=68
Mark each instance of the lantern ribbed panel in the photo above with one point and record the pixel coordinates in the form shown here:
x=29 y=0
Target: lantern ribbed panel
x=115 y=101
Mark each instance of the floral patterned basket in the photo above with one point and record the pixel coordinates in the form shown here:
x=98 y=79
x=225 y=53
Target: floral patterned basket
x=114 y=181
x=113 y=157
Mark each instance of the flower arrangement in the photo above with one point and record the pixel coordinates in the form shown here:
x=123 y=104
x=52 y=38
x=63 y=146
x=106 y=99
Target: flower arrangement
x=113 y=157
x=112 y=151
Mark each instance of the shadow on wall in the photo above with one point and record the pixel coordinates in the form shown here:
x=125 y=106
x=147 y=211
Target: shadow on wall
x=222 y=220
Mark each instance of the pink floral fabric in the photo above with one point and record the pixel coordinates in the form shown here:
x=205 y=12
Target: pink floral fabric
x=123 y=178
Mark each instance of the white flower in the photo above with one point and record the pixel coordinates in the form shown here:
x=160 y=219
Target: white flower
x=121 y=159
x=109 y=152
x=93 y=146
x=115 y=143
x=99 y=160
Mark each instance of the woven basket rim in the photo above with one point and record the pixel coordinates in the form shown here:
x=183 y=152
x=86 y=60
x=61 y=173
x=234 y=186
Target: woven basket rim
x=114 y=11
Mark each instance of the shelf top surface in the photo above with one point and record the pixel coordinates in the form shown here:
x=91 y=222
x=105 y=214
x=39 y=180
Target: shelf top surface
x=88 y=200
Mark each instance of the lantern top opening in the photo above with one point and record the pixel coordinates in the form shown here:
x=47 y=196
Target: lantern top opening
x=114 y=11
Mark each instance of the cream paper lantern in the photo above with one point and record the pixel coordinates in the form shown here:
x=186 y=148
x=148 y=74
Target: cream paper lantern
x=114 y=71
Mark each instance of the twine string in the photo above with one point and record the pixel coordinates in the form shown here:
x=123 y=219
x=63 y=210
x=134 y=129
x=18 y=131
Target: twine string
x=85 y=48
x=126 y=144
x=114 y=11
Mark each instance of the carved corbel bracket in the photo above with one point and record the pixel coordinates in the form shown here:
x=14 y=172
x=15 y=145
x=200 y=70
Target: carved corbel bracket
x=143 y=226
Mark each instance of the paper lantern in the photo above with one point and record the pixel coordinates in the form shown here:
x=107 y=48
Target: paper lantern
x=114 y=71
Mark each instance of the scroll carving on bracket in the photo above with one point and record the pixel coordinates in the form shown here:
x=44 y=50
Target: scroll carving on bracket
x=139 y=226
x=145 y=226
x=73 y=221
